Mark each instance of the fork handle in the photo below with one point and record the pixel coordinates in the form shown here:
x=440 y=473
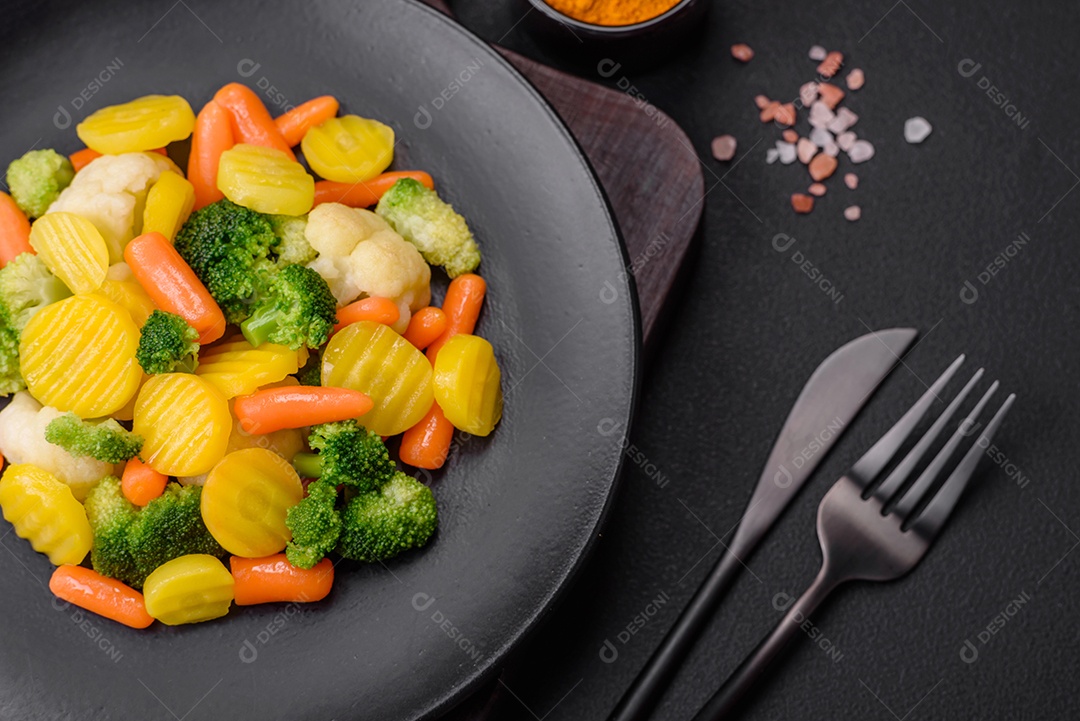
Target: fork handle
x=727 y=699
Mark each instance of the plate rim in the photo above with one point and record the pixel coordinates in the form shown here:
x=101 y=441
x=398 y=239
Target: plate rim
x=494 y=660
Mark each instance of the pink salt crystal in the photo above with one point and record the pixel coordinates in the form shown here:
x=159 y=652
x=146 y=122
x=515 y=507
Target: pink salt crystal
x=723 y=148
x=844 y=119
x=761 y=101
x=817 y=189
x=742 y=52
x=855 y=79
x=846 y=140
x=808 y=93
x=831 y=149
x=820 y=115
x=852 y=212
x=851 y=180
x=806 y=150
x=817 y=53
x=861 y=151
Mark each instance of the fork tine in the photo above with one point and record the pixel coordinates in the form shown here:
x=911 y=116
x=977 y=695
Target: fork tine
x=933 y=517
x=867 y=468
x=918 y=490
x=903 y=469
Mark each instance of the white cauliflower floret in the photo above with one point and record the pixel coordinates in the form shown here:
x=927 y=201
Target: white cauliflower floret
x=22 y=440
x=361 y=255
x=110 y=192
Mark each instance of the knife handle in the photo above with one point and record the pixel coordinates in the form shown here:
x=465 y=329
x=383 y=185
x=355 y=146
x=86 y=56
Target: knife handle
x=649 y=686
x=729 y=697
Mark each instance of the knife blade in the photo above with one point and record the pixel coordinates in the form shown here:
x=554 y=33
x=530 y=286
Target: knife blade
x=829 y=401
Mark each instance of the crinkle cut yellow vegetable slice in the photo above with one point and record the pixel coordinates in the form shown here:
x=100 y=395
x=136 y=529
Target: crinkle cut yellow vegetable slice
x=371 y=358
x=467 y=386
x=349 y=149
x=72 y=248
x=79 y=355
x=43 y=510
x=265 y=180
x=188 y=589
x=245 y=499
x=237 y=368
x=185 y=422
x=146 y=123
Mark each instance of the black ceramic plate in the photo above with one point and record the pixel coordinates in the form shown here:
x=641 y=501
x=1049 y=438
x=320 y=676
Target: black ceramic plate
x=518 y=509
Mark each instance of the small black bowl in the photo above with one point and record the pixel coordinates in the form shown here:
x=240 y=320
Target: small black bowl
x=629 y=46
x=634 y=47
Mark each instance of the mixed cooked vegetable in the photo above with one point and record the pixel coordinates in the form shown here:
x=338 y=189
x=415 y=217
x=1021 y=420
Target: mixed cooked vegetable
x=208 y=362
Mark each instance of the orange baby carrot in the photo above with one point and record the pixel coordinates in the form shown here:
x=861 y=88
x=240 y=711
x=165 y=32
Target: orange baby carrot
x=272 y=409
x=81 y=158
x=427 y=444
x=104 y=596
x=251 y=121
x=273 y=578
x=379 y=310
x=141 y=483
x=213 y=136
x=293 y=124
x=429 y=440
x=426 y=325
x=464 y=297
x=173 y=285
x=14 y=230
x=366 y=194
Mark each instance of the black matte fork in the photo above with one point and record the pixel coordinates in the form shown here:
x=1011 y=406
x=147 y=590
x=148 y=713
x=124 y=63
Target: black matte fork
x=876 y=533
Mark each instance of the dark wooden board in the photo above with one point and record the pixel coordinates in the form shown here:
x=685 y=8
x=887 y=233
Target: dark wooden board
x=653 y=179
x=647 y=166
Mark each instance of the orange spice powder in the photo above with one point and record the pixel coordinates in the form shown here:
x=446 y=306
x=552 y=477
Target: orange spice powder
x=612 y=12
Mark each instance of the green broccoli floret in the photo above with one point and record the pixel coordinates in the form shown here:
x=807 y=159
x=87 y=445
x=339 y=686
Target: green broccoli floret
x=349 y=455
x=377 y=526
x=311 y=373
x=107 y=441
x=315 y=525
x=298 y=309
x=167 y=344
x=232 y=251
x=130 y=542
x=440 y=234
x=11 y=380
x=37 y=178
x=294 y=249
x=26 y=286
